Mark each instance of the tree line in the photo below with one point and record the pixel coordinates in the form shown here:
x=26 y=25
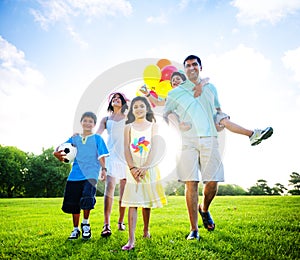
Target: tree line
x=28 y=175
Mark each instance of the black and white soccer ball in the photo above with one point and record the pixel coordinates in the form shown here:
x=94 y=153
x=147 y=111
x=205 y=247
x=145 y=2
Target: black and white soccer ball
x=69 y=152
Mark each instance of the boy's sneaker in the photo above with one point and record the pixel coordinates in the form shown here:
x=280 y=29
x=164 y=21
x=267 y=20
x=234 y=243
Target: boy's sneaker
x=86 y=231
x=75 y=234
x=259 y=135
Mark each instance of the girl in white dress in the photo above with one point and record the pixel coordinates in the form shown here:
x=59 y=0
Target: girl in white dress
x=143 y=187
x=116 y=164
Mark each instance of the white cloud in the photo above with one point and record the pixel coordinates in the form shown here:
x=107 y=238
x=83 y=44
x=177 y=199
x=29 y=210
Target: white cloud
x=54 y=11
x=255 y=11
x=291 y=60
x=25 y=110
x=15 y=72
x=161 y=19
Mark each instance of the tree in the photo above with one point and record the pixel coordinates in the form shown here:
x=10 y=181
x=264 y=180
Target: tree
x=13 y=169
x=295 y=182
x=46 y=176
x=230 y=189
x=261 y=188
x=278 y=189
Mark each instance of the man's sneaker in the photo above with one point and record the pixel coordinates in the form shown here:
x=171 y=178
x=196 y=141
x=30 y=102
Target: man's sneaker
x=75 y=234
x=86 y=231
x=259 y=135
x=194 y=235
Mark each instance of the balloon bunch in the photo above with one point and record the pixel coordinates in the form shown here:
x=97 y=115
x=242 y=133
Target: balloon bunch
x=157 y=78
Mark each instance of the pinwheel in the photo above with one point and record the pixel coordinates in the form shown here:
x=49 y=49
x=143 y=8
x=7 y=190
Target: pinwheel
x=139 y=145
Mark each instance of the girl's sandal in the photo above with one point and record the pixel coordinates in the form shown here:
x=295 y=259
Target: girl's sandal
x=147 y=235
x=106 y=232
x=121 y=226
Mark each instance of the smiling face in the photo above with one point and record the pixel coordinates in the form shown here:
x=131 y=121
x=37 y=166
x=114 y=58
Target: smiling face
x=116 y=101
x=87 y=124
x=192 y=69
x=176 y=81
x=139 y=109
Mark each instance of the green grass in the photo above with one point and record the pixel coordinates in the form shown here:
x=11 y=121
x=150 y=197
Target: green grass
x=246 y=228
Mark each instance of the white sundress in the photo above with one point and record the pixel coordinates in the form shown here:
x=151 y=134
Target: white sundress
x=149 y=192
x=115 y=163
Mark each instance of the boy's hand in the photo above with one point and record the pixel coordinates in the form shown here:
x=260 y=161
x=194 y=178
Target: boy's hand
x=198 y=88
x=144 y=90
x=59 y=155
x=103 y=174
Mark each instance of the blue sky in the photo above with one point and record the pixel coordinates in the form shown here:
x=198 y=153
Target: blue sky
x=51 y=51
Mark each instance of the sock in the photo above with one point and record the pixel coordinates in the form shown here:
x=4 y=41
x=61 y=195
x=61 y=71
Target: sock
x=85 y=221
x=76 y=228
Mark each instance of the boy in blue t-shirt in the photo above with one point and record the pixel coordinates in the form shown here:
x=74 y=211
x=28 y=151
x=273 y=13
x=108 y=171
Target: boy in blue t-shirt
x=80 y=190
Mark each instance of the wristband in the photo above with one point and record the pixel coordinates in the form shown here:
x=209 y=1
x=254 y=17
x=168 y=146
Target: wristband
x=132 y=168
x=148 y=95
x=104 y=169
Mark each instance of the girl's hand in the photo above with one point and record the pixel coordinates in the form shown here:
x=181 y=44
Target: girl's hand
x=135 y=174
x=143 y=172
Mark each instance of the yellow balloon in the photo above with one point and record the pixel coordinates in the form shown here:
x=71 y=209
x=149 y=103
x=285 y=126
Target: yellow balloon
x=152 y=75
x=162 y=89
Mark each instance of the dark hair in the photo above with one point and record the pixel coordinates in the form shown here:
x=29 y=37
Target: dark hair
x=192 y=57
x=177 y=73
x=149 y=115
x=110 y=108
x=89 y=114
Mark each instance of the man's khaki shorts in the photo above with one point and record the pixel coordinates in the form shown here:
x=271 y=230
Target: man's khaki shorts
x=200 y=153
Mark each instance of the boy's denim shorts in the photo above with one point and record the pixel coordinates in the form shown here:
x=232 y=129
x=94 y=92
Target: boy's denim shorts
x=79 y=195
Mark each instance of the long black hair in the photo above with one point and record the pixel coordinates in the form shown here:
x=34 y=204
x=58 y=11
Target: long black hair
x=110 y=108
x=149 y=115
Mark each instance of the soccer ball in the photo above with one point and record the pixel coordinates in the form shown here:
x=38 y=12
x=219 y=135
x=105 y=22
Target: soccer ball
x=69 y=151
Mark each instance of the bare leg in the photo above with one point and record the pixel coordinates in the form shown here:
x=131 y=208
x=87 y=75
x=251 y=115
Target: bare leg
x=76 y=218
x=146 y=219
x=232 y=127
x=191 y=196
x=86 y=213
x=132 y=219
x=108 y=198
x=121 y=209
x=209 y=192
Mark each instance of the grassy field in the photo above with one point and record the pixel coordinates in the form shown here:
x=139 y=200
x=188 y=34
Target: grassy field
x=246 y=228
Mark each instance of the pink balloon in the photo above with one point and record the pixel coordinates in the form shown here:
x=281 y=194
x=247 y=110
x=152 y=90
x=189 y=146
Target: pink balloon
x=167 y=71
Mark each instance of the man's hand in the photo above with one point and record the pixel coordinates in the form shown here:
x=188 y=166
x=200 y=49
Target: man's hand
x=59 y=155
x=185 y=126
x=103 y=174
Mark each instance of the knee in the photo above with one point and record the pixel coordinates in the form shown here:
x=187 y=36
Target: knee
x=110 y=188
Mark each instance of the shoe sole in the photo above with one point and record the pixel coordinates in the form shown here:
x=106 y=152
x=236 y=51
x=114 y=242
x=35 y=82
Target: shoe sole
x=264 y=136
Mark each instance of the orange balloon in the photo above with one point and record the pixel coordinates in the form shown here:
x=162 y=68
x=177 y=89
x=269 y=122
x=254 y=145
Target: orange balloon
x=163 y=62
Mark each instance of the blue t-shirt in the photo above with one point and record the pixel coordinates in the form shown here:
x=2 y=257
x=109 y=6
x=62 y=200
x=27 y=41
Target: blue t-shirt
x=198 y=111
x=86 y=164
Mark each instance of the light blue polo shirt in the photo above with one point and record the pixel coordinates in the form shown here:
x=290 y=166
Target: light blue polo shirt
x=86 y=164
x=198 y=111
